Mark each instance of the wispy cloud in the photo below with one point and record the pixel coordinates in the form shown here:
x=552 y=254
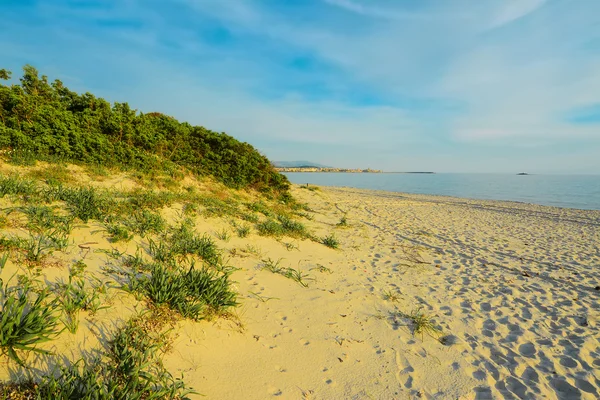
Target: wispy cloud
x=512 y=10
x=389 y=81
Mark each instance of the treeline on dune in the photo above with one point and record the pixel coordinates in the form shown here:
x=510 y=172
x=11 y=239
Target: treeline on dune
x=46 y=121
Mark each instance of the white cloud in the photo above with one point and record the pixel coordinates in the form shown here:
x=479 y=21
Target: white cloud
x=512 y=10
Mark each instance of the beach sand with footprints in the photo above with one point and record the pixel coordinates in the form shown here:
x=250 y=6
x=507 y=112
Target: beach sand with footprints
x=511 y=291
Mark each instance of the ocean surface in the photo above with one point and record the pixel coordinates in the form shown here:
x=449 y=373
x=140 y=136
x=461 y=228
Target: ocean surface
x=569 y=191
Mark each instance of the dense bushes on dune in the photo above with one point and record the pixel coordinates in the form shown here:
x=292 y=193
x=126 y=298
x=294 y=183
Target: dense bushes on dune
x=47 y=121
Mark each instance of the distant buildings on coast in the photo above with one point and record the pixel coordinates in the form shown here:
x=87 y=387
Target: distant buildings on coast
x=326 y=169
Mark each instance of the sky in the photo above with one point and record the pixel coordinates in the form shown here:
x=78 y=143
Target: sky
x=400 y=85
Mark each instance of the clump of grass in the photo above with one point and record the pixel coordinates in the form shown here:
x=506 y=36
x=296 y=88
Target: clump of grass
x=273 y=266
x=250 y=218
x=13 y=185
x=84 y=203
x=196 y=294
x=37 y=247
x=223 y=235
x=269 y=228
x=421 y=323
x=74 y=296
x=118 y=232
x=391 y=296
x=297 y=276
x=260 y=207
x=190 y=209
x=215 y=207
x=330 y=241
x=242 y=231
x=27 y=320
x=254 y=250
x=184 y=241
x=291 y=227
x=144 y=222
x=343 y=221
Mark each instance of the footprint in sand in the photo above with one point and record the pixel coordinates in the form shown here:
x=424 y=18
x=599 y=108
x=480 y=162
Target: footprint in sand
x=403 y=375
x=273 y=391
x=304 y=342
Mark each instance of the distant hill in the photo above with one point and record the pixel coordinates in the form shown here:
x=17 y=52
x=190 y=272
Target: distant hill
x=298 y=164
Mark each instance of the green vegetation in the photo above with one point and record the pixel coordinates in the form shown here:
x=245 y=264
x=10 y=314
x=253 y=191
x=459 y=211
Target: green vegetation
x=421 y=323
x=294 y=274
x=27 y=320
x=196 y=294
x=40 y=120
x=391 y=296
x=129 y=368
x=330 y=241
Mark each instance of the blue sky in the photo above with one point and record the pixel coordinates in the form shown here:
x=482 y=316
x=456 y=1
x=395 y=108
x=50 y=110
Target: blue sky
x=441 y=85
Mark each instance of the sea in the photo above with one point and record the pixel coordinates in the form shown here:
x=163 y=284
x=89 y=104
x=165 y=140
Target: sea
x=567 y=191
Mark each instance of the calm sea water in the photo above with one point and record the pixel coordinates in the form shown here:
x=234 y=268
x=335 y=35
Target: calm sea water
x=570 y=191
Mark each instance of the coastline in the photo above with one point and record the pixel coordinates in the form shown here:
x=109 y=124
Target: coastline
x=512 y=293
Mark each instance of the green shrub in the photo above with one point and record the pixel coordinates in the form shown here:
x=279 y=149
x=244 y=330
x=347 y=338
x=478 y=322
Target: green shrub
x=65 y=126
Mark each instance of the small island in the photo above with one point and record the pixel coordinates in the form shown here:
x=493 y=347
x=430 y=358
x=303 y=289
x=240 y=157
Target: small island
x=522 y=173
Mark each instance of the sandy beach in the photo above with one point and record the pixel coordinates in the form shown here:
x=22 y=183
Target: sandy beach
x=508 y=293
x=512 y=288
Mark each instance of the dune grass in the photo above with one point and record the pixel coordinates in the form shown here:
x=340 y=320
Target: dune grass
x=196 y=293
x=27 y=320
x=296 y=275
x=330 y=241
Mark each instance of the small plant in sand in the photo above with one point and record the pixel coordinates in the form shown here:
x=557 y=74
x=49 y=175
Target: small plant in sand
x=250 y=218
x=262 y=299
x=290 y=246
x=254 y=250
x=75 y=296
x=322 y=269
x=343 y=221
x=242 y=231
x=273 y=266
x=294 y=274
x=421 y=323
x=118 y=233
x=330 y=241
x=412 y=255
x=184 y=241
x=37 y=247
x=297 y=276
x=223 y=235
x=27 y=320
x=391 y=296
